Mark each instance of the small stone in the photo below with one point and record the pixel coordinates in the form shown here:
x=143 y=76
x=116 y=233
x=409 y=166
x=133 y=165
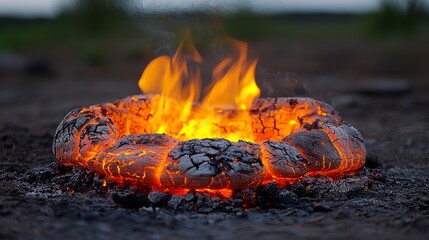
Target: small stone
x=319 y=207
x=205 y=210
x=378 y=176
x=131 y=200
x=287 y=198
x=189 y=197
x=159 y=198
x=175 y=201
x=39 y=174
x=237 y=203
x=239 y=212
x=342 y=215
x=299 y=189
x=81 y=180
x=423 y=206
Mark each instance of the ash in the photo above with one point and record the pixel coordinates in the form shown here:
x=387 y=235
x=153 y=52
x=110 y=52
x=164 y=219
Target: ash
x=70 y=182
x=78 y=194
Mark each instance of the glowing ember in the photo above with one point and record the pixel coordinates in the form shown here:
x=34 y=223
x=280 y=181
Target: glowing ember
x=229 y=140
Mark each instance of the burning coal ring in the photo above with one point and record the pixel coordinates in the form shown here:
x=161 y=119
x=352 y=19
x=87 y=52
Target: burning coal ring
x=114 y=139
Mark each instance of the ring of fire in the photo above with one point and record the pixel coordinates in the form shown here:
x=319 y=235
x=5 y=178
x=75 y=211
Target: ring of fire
x=168 y=140
x=295 y=137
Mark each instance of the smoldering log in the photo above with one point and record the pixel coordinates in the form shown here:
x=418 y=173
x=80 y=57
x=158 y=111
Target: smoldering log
x=316 y=147
x=283 y=160
x=135 y=156
x=349 y=144
x=83 y=133
x=275 y=118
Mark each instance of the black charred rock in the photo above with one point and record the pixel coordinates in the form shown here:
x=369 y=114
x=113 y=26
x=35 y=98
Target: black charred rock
x=60 y=168
x=39 y=174
x=175 y=201
x=287 y=198
x=159 y=199
x=299 y=189
x=131 y=200
x=378 y=176
x=81 y=180
x=63 y=179
x=273 y=196
x=319 y=207
x=247 y=196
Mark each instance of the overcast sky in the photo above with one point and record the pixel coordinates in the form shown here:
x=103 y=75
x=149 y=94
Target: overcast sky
x=51 y=7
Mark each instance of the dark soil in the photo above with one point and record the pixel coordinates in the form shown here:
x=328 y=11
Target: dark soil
x=388 y=199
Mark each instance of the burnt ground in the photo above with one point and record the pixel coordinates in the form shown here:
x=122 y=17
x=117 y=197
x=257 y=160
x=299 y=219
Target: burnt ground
x=388 y=199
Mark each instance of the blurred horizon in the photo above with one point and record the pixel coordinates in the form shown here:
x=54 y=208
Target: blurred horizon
x=89 y=51
x=53 y=8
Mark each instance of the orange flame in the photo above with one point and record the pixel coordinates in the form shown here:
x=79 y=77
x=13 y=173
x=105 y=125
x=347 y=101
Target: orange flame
x=176 y=113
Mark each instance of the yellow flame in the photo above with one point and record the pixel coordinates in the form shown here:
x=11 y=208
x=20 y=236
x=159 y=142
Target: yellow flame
x=177 y=80
x=234 y=81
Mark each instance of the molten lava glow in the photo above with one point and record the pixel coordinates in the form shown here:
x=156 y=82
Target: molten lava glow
x=177 y=80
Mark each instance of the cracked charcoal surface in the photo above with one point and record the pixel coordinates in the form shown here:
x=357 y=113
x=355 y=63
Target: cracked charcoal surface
x=283 y=159
x=113 y=139
x=316 y=147
x=271 y=116
x=349 y=143
x=137 y=156
x=213 y=163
